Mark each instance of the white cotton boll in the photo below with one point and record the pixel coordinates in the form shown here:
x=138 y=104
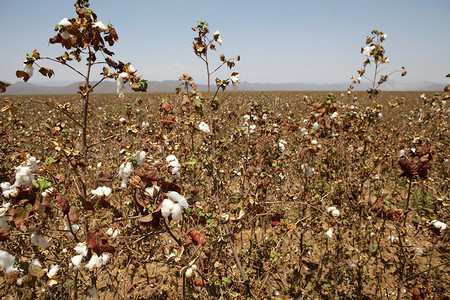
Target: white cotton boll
x=81 y=249
x=112 y=233
x=252 y=128
x=439 y=225
x=140 y=157
x=176 y=197
x=166 y=207
x=120 y=87
x=7 y=261
x=76 y=260
x=93 y=262
x=102 y=191
x=151 y=191
x=204 y=127
x=330 y=209
x=190 y=271
x=29 y=69
x=145 y=124
x=47 y=193
x=53 y=270
x=11 y=193
x=4 y=208
x=100 y=26
x=24 y=177
x=34 y=262
x=367 y=51
x=32 y=162
x=316 y=126
x=125 y=171
x=334 y=115
x=314 y=142
x=335 y=213
x=64 y=22
x=104 y=258
x=5 y=186
x=177 y=210
x=171 y=158
x=328 y=234
x=39 y=240
x=282 y=145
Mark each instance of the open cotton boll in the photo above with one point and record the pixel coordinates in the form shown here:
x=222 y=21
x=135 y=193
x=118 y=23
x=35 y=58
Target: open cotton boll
x=100 y=26
x=53 y=270
x=102 y=191
x=64 y=22
x=7 y=261
x=328 y=234
x=32 y=162
x=29 y=69
x=174 y=196
x=204 y=127
x=81 y=248
x=140 y=157
x=166 y=207
x=333 y=211
x=177 y=210
x=125 y=171
x=39 y=240
x=151 y=191
x=24 y=177
x=76 y=261
x=439 y=225
x=170 y=158
x=190 y=271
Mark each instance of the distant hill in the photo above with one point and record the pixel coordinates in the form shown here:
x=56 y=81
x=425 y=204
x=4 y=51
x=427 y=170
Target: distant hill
x=22 y=88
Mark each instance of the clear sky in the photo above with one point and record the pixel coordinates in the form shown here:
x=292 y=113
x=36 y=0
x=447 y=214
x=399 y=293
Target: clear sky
x=280 y=41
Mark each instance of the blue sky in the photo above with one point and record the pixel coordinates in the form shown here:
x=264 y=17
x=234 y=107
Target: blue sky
x=279 y=41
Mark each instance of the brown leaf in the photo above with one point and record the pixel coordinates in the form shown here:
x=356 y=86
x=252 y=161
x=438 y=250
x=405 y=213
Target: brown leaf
x=22 y=74
x=98 y=243
x=46 y=72
x=3 y=86
x=63 y=203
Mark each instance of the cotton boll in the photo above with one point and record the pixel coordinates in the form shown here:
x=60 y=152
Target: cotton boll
x=5 y=186
x=439 y=225
x=104 y=258
x=166 y=207
x=24 y=177
x=151 y=191
x=176 y=212
x=100 y=26
x=32 y=162
x=204 y=127
x=64 y=22
x=140 y=157
x=7 y=261
x=93 y=262
x=53 y=270
x=81 y=249
x=39 y=240
x=76 y=261
x=328 y=234
x=190 y=271
x=102 y=191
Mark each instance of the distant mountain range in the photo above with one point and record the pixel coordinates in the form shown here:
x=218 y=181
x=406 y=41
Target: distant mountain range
x=109 y=87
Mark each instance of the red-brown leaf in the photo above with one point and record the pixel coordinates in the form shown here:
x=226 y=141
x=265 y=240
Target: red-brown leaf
x=63 y=203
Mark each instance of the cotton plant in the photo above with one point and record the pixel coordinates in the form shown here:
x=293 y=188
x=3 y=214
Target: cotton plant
x=203 y=43
x=375 y=55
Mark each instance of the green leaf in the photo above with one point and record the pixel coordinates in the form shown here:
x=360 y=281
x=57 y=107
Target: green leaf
x=44 y=183
x=49 y=160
